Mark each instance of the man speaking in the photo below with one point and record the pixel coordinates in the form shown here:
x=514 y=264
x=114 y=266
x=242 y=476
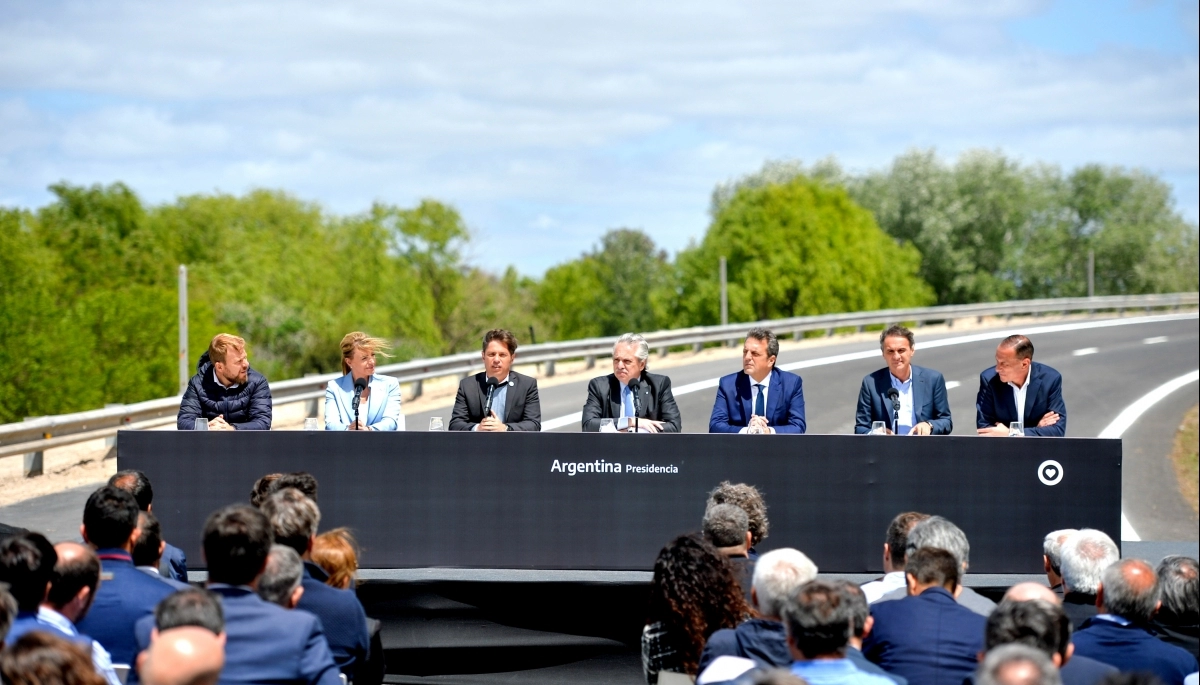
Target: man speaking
x=631 y=391
x=1020 y=389
x=910 y=400
x=760 y=398
x=497 y=399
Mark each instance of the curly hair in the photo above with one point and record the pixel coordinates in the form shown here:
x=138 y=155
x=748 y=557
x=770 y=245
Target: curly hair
x=694 y=593
x=750 y=500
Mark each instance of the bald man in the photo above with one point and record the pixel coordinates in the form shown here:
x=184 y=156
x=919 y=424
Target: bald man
x=1026 y=592
x=1031 y=614
x=188 y=655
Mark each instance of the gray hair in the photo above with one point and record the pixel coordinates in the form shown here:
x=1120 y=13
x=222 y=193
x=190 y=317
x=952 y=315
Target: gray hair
x=765 y=334
x=1052 y=547
x=991 y=671
x=639 y=343
x=1085 y=555
x=725 y=525
x=294 y=518
x=778 y=576
x=1179 y=581
x=939 y=533
x=281 y=576
x=1125 y=596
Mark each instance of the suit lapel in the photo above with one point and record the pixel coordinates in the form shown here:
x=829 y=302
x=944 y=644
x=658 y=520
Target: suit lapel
x=918 y=394
x=509 y=393
x=1031 y=391
x=774 y=394
x=1008 y=396
x=647 y=398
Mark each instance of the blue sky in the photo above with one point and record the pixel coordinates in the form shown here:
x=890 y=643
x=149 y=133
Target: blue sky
x=548 y=122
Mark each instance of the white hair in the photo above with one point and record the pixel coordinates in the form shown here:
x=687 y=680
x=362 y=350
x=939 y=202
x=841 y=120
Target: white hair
x=1085 y=555
x=1052 y=547
x=778 y=575
x=635 y=339
x=991 y=671
x=938 y=532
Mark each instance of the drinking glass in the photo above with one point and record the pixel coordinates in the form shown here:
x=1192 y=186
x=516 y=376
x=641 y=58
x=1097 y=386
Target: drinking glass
x=310 y=424
x=606 y=426
x=878 y=428
x=1016 y=429
x=435 y=424
x=201 y=424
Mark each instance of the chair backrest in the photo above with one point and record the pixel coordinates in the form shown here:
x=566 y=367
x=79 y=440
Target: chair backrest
x=122 y=671
x=672 y=678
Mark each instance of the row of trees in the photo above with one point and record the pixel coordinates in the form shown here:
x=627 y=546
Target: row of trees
x=88 y=284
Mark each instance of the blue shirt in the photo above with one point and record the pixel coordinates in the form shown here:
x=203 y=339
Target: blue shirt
x=835 y=672
x=904 y=422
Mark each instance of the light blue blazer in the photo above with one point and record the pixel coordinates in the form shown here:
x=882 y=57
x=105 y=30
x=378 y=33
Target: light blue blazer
x=380 y=412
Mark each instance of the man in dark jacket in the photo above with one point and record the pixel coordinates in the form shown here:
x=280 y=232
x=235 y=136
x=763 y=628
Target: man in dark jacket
x=631 y=391
x=225 y=390
x=1178 y=619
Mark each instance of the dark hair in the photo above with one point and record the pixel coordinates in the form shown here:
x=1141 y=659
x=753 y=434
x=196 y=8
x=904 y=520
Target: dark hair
x=725 y=525
x=110 y=517
x=262 y=488
x=898 y=331
x=765 y=335
x=932 y=565
x=146 y=551
x=509 y=340
x=1034 y=622
x=693 y=594
x=897 y=535
x=137 y=484
x=816 y=619
x=301 y=480
x=1179 y=581
x=1020 y=344
x=293 y=518
x=750 y=500
x=195 y=607
x=27 y=565
x=72 y=575
x=236 y=541
x=39 y=657
x=857 y=610
x=8 y=611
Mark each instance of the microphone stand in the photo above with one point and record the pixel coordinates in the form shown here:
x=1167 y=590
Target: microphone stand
x=895 y=417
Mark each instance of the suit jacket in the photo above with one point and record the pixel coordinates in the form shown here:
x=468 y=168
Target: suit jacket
x=522 y=409
x=733 y=407
x=1079 y=607
x=173 y=564
x=996 y=402
x=264 y=643
x=341 y=615
x=967 y=598
x=927 y=638
x=655 y=402
x=125 y=596
x=928 y=394
x=1133 y=648
x=380 y=412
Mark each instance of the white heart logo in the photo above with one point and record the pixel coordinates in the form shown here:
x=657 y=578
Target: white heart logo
x=1050 y=472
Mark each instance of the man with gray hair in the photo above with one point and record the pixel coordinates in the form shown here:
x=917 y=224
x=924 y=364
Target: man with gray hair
x=760 y=398
x=1017 y=664
x=280 y=579
x=1052 y=558
x=1178 y=620
x=727 y=527
x=1084 y=556
x=634 y=398
x=938 y=533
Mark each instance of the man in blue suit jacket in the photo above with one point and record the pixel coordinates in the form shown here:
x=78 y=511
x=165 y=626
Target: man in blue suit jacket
x=760 y=397
x=921 y=392
x=1020 y=389
x=173 y=563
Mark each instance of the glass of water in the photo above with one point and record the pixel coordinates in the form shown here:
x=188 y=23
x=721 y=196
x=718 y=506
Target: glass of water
x=606 y=426
x=310 y=424
x=201 y=424
x=1016 y=429
x=435 y=424
x=878 y=428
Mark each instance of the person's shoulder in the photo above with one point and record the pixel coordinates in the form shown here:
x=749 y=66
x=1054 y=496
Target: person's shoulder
x=731 y=378
x=521 y=380
x=339 y=383
x=255 y=378
x=926 y=372
x=1048 y=373
x=987 y=374
x=320 y=593
x=656 y=379
x=385 y=381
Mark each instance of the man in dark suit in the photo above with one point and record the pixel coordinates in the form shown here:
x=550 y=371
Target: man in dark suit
x=921 y=392
x=1030 y=614
x=148 y=550
x=612 y=396
x=927 y=637
x=1020 y=389
x=1178 y=620
x=173 y=563
x=760 y=398
x=515 y=405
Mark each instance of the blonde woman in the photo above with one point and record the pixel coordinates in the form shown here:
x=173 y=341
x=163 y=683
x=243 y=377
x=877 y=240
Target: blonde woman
x=379 y=397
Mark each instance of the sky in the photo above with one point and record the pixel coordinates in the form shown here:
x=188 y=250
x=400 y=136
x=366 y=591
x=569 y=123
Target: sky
x=547 y=122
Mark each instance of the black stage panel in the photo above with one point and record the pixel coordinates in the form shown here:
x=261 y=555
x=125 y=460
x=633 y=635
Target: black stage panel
x=509 y=500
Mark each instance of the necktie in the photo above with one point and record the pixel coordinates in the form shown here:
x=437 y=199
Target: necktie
x=627 y=394
x=759 y=410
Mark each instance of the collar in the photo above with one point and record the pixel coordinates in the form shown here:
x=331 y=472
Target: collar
x=896 y=382
x=315 y=572
x=114 y=554
x=765 y=382
x=1113 y=618
x=937 y=593
x=49 y=616
x=152 y=570
x=1028 y=376
x=231 y=590
x=218 y=380
x=842 y=665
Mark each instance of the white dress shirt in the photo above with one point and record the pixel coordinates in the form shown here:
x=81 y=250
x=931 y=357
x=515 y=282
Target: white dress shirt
x=878 y=588
x=101 y=659
x=1019 y=395
x=766 y=393
x=907 y=419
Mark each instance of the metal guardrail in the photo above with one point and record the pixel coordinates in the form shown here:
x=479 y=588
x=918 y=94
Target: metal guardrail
x=42 y=433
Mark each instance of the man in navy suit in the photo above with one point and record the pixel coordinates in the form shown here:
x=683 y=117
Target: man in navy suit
x=173 y=563
x=126 y=594
x=927 y=637
x=1020 y=389
x=921 y=392
x=760 y=398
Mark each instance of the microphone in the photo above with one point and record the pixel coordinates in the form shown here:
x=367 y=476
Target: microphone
x=360 y=384
x=894 y=395
x=491 y=388
x=635 y=389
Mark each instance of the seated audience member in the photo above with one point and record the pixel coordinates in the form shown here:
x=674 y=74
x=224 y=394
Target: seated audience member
x=1178 y=619
x=26 y=571
x=692 y=595
x=8 y=612
x=778 y=576
x=280 y=579
x=893 y=556
x=750 y=500
x=42 y=658
x=1052 y=557
x=927 y=637
x=336 y=552
x=1118 y=635
x=182 y=656
x=1017 y=664
x=1033 y=617
x=1085 y=555
x=727 y=528
x=196 y=607
x=818 y=628
x=262 y=488
x=938 y=533
x=294 y=519
x=126 y=594
x=76 y=578
x=303 y=481
x=225 y=390
x=148 y=550
x=174 y=561
x=861 y=624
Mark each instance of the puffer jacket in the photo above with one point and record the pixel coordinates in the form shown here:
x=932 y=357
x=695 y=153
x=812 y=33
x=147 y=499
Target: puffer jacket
x=245 y=407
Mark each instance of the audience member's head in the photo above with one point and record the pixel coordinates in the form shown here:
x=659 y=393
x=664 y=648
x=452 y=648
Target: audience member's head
x=1017 y=664
x=727 y=527
x=693 y=594
x=137 y=484
x=40 y=658
x=194 y=607
x=932 y=567
x=748 y=498
x=148 y=549
x=294 y=518
x=816 y=620
x=8 y=611
x=778 y=576
x=76 y=577
x=27 y=565
x=280 y=580
x=1035 y=623
x=1084 y=556
x=236 y=541
x=857 y=610
x=336 y=552
x=1052 y=554
x=110 y=519
x=301 y=480
x=939 y=533
x=1025 y=592
x=1179 y=583
x=182 y=656
x=262 y=488
x=1129 y=589
x=896 y=545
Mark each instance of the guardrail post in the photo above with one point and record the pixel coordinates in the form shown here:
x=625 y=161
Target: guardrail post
x=591 y=361
x=697 y=347
x=110 y=443
x=550 y=368
x=662 y=351
x=829 y=332
x=34 y=461
x=418 y=388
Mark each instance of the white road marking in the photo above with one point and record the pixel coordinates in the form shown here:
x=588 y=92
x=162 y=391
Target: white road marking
x=1155 y=340
x=1132 y=413
x=1083 y=352
x=950 y=385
